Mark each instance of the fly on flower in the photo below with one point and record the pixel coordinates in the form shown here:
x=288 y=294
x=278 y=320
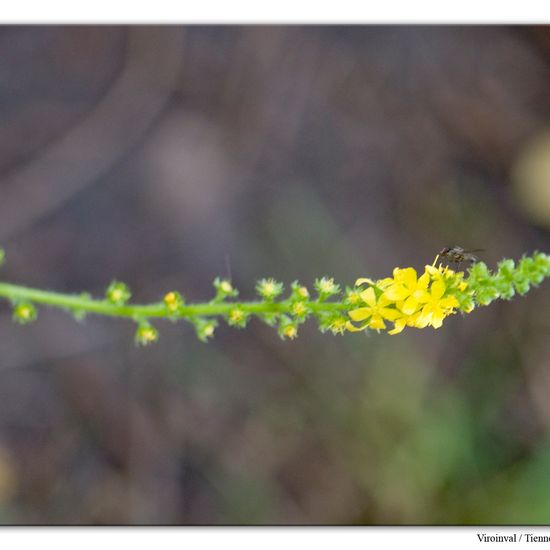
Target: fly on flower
x=457 y=255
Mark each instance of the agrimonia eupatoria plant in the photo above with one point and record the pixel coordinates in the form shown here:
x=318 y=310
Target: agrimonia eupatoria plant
x=407 y=299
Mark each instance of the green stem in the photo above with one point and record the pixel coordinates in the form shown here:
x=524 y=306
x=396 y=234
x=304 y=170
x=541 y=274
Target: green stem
x=79 y=303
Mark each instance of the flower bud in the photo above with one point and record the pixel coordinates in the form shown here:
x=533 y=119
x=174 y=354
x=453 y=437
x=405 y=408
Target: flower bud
x=118 y=293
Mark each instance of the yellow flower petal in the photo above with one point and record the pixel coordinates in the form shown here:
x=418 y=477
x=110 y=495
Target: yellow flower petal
x=435 y=272
x=369 y=297
x=422 y=296
x=413 y=319
x=449 y=301
x=409 y=306
x=389 y=314
x=406 y=276
x=364 y=280
x=353 y=328
x=360 y=314
x=437 y=320
x=398 y=326
x=424 y=318
x=396 y=292
x=437 y=289
x=385 y=283
x=377 y=322
x=383 y=301
x=424 y=280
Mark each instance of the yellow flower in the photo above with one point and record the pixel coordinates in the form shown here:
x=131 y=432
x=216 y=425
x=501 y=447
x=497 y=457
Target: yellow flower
x=353 y=297
x=406 y=289
x=303 y=292
x=24 y=313
x=146 y=334
x=236 y=315
x=290 y=332
x=299 y=308
x=441 y=272
x=435 y=306
x=326 y=285
x=269 y=288
x=226 y=286
x=118 y=293
x=170 y=300
x=376 y=312
x=149 y=335
x=173 y=301
x=338 y=326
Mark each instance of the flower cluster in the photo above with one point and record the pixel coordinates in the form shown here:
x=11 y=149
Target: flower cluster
x=407 y=299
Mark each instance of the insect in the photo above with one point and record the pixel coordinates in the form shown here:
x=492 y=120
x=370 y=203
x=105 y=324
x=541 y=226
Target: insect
x=457 y=254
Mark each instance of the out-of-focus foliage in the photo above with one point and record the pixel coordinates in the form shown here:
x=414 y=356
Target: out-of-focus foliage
x=166 y=156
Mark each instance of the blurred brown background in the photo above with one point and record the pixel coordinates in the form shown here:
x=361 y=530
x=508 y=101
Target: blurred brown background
x=165 y=156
